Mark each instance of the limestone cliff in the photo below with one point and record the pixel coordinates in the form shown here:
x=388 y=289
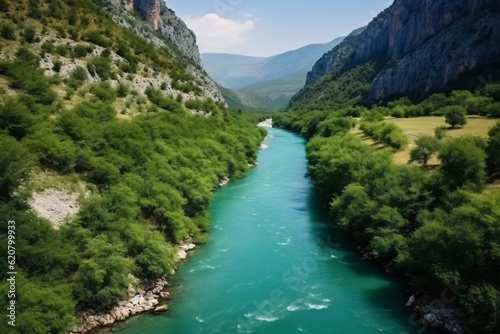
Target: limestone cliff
x=149 y=9
x=164 y=20
x=177 y=31
x=420 y=46
x=172 y=34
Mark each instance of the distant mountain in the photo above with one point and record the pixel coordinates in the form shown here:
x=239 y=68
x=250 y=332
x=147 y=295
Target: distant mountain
x=275 y=79
x=238 y=100
x=412 y=48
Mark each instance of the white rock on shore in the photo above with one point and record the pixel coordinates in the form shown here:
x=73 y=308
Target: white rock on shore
x=268 y=123
x=138 y=302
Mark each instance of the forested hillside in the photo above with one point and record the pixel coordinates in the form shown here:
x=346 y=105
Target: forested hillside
x=130 y=129
x=440 y=225
x=434 y=217
x=413 y=48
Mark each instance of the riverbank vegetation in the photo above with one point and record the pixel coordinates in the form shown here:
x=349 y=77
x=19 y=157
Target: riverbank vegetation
x=436 y=225
x=148 y=175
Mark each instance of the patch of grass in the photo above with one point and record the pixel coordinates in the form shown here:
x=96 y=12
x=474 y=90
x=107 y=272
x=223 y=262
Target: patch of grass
x=415 y=128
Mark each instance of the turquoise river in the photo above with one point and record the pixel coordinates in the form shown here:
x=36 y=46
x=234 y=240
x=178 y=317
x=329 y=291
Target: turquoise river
x=273 y=264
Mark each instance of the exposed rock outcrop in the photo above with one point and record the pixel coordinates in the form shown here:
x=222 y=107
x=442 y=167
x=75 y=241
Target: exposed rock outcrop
x=423 y=45
x=177 y=31
x=437 y=313
x=144 y=298
x=176 y=37
x=149 y=9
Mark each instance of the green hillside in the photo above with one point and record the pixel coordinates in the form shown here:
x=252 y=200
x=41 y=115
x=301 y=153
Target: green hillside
x=239 y=100
x=135 y=164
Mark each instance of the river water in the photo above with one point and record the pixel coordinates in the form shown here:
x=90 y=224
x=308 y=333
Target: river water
x=273 y=264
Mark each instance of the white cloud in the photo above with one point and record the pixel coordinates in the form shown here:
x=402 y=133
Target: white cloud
x=214 y=33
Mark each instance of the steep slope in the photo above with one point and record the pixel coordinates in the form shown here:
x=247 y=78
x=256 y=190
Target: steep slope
x=412 y=48
x=111 y=144
x=168 y=31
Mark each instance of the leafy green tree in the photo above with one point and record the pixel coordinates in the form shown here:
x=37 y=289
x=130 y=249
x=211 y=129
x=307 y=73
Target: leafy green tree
x=353 y=211
x=334 y=125
x=493 y=150
x=455 y=115
x=426 y=147
x=463 y=162
x=482 y=304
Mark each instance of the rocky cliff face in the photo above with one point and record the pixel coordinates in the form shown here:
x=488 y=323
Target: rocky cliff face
x=149 y=9
x=425 y=45
x=174 y=31
x=164 y=20
x=177 y=31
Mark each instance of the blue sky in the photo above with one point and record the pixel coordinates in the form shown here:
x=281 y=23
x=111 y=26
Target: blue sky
x=269 y=27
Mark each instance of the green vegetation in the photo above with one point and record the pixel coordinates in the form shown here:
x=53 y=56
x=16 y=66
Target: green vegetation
x=435 y=225
x=338 y=89
x=387 y=133
x=154 y=175
x=455 y=116
x=150 y=176
x=426 y=147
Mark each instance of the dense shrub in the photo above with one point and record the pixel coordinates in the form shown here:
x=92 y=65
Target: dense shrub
x=100 y=66
x=8 y=32
x=77 y=77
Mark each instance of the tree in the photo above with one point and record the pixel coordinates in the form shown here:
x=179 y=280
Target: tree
x=455 y=115
x=463 y=162
x=426 y=147
x=440 y=132
x=493 y=149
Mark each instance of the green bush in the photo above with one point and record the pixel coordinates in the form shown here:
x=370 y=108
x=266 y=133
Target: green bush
x=29 y=34
x=122 y=90
x=81 y=51
x=104 y=92
x=62 y=49
x=15 y=164
x=24 y=73
x=163 y=102
x=8 y=32
x=4 y=6
x=57 y=66
x=96 y=37
x=77 y=77
x=100 y=66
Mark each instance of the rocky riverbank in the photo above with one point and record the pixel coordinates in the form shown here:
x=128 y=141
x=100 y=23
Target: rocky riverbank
x=268 y=123
x=429 y=310
x=144 y=297
x=437 y=311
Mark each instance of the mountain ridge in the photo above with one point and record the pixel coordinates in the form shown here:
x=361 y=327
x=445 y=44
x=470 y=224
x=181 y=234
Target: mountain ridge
x=271 y=81
x=402 y=47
